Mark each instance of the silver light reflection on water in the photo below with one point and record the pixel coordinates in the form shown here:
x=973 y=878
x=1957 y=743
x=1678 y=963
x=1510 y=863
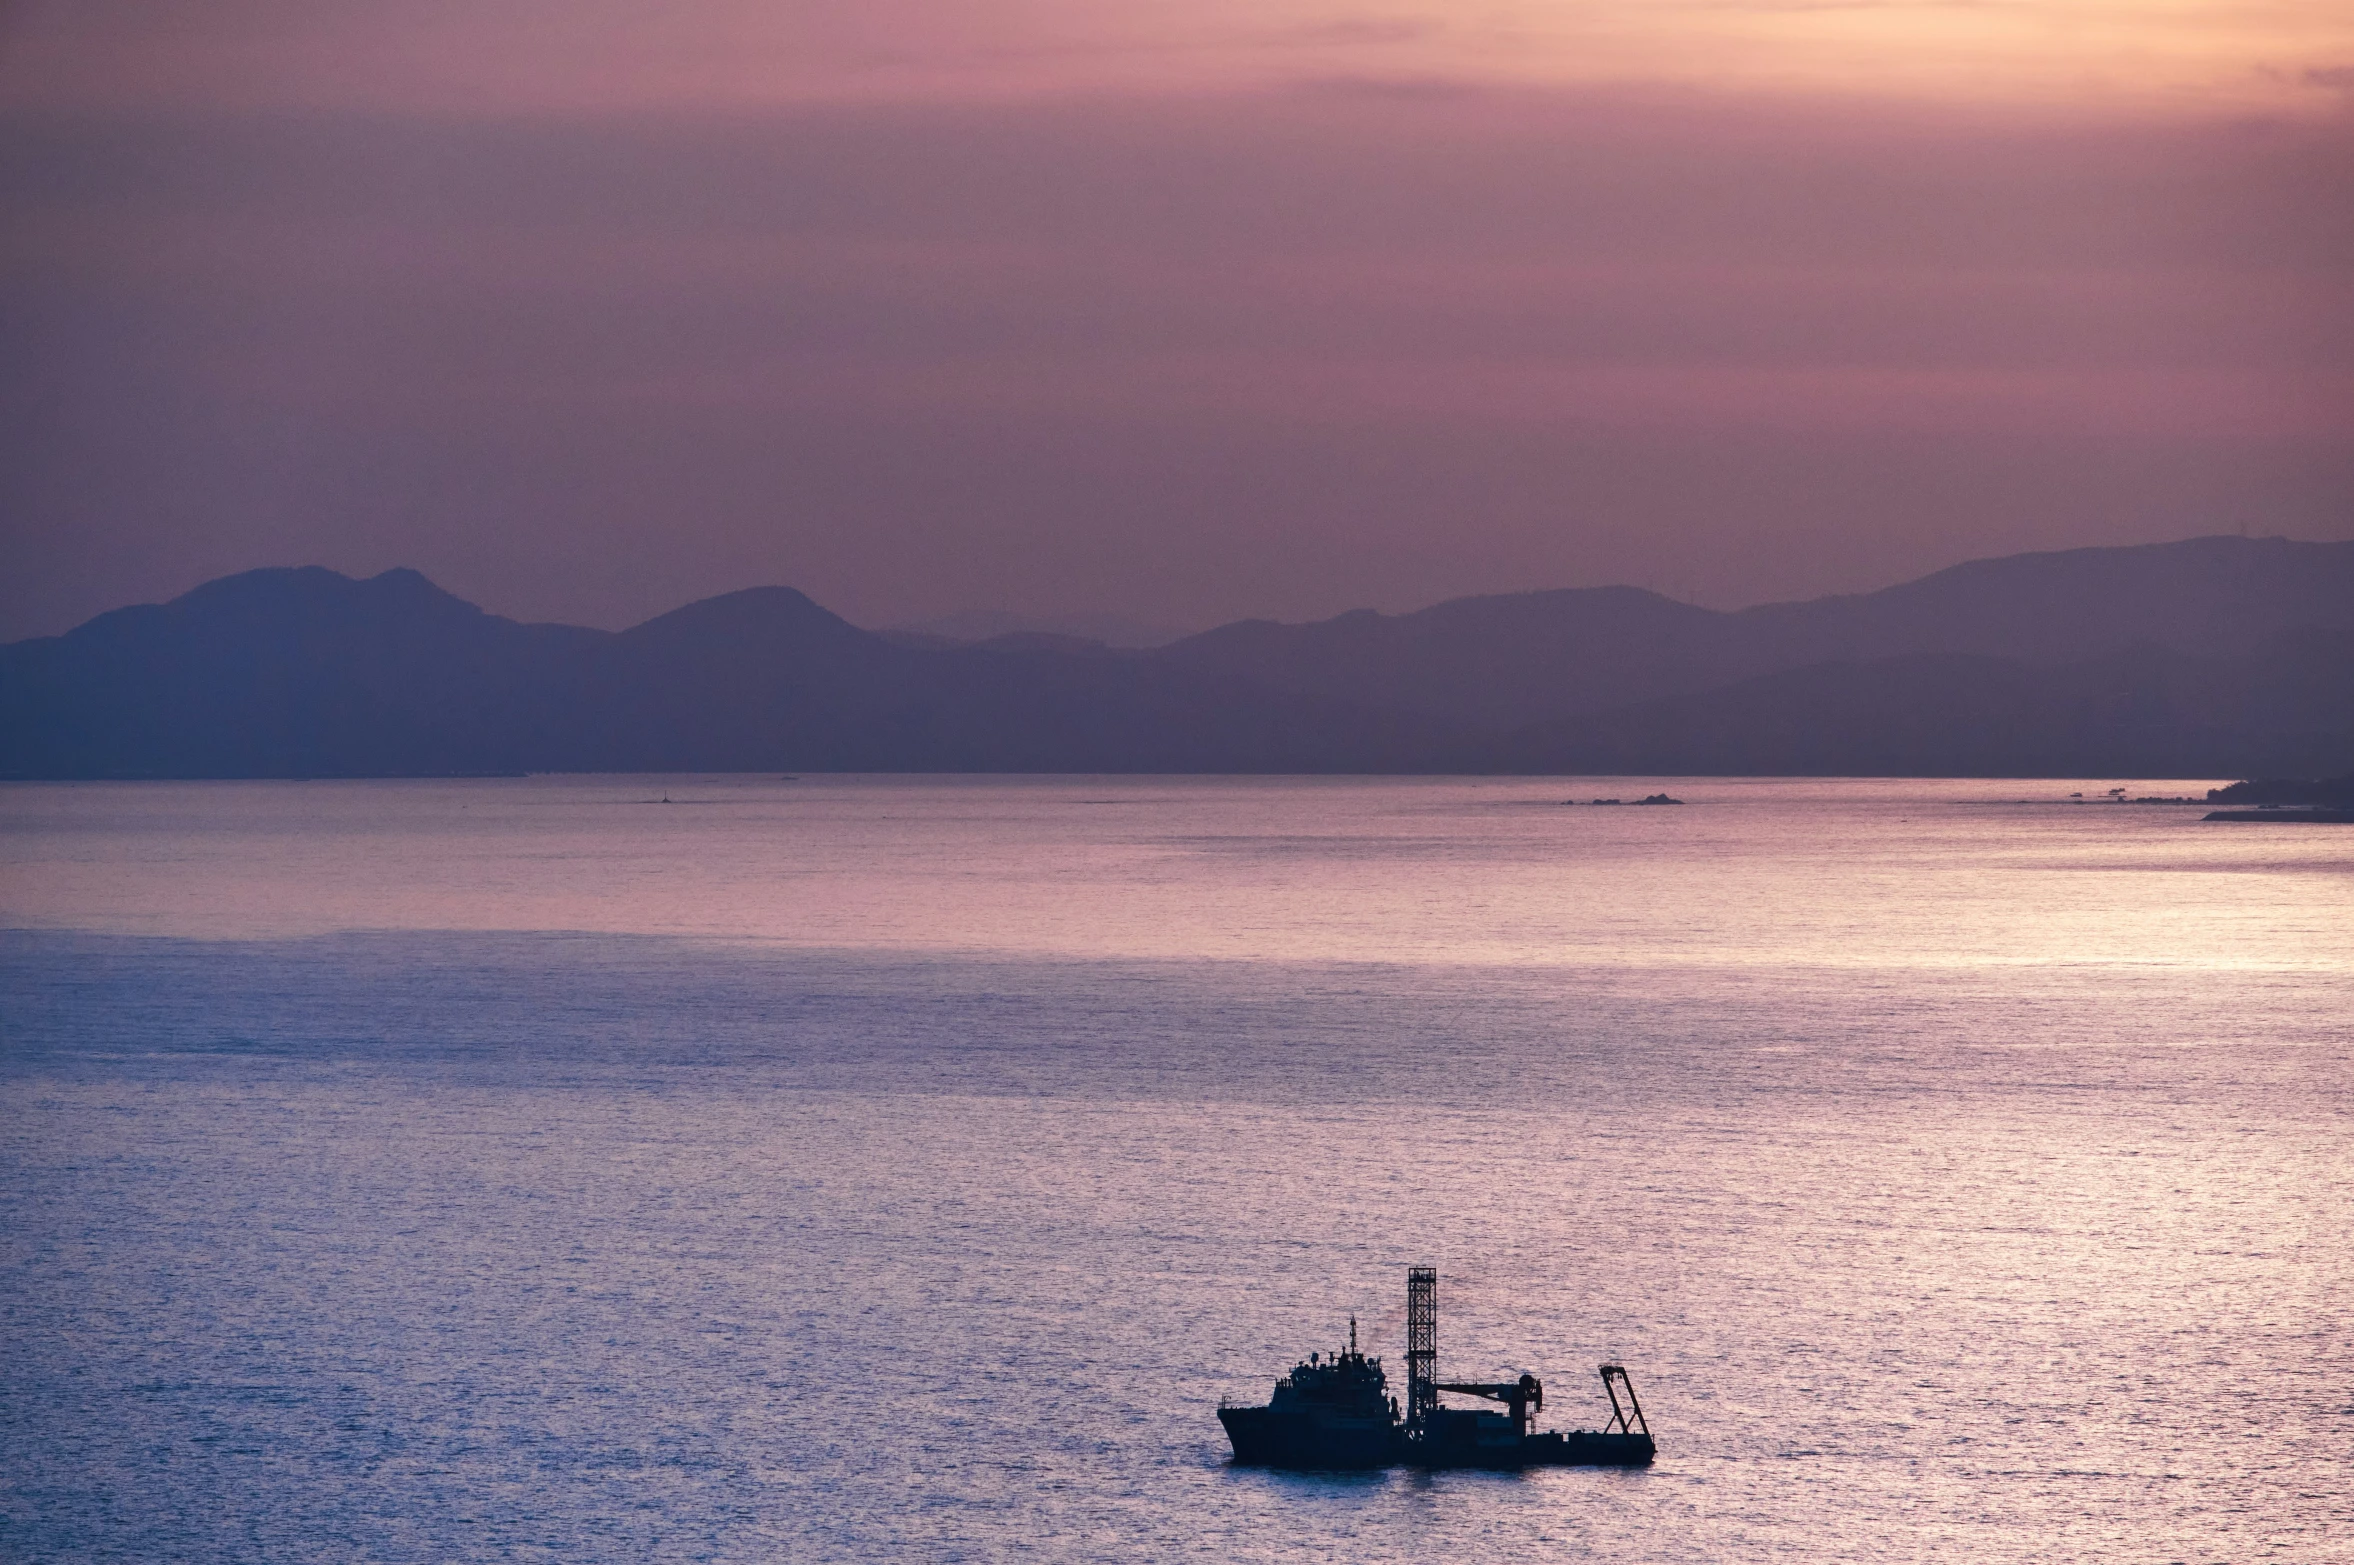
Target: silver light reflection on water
x=854 y=1169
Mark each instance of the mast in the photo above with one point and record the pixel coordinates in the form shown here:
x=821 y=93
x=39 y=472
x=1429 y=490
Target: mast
x=1422 y=1346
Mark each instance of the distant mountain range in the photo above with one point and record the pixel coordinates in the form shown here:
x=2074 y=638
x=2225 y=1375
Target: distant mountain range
x=2212 y=657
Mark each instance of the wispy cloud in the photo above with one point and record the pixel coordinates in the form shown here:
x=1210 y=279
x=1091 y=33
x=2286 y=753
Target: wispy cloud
x=897 y=353
x=586 y=56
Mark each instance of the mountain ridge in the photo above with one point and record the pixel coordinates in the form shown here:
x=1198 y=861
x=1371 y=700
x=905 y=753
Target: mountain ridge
x=2235 y=649
x=1506 y=660
x=2283 y=709
x=311 y=673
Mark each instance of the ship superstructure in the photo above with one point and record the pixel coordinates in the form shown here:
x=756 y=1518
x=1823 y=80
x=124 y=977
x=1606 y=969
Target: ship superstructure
x=1330 y=1412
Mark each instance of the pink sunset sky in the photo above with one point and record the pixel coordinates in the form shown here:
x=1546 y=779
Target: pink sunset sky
x=1181 y=311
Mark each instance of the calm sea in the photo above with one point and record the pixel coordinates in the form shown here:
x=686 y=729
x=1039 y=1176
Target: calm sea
x=874 y=1169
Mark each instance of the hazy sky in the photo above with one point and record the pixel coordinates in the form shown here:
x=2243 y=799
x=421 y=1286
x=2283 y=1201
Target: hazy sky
x=1189 y=311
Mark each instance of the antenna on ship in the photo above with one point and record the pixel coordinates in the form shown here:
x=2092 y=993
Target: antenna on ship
x=1352 y=1336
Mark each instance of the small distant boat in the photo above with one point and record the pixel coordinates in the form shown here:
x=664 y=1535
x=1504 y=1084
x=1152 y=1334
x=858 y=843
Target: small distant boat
x=1336 y=1414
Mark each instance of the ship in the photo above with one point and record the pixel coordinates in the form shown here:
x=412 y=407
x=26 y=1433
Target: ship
x=1334 y=1412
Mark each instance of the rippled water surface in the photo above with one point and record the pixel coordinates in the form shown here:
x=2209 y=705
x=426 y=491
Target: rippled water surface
x=902 y=1169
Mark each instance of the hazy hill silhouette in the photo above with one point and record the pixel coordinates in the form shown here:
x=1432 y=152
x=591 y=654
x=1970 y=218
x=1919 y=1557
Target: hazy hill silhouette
x=2215 y=656
x=278 y=673
x=2286 y=708
x=1506 y=661
x=988 y=625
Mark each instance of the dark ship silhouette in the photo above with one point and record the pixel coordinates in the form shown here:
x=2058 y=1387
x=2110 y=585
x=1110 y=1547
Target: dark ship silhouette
x=1337 y=1412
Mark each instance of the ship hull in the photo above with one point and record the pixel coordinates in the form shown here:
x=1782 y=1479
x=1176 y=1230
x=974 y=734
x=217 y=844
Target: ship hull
x=1269 y=1437
x=1578 y=1448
